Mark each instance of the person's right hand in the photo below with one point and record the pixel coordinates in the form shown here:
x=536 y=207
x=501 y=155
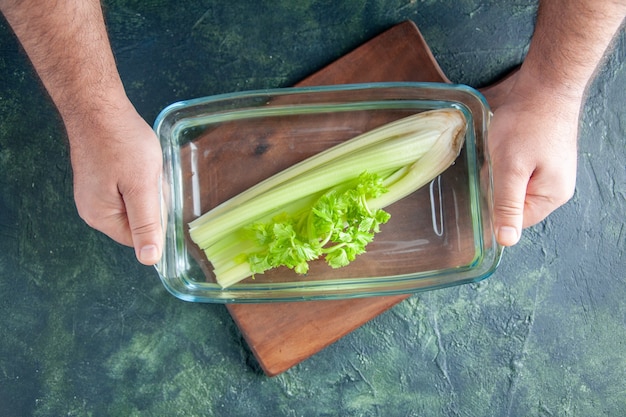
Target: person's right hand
x=117 y=164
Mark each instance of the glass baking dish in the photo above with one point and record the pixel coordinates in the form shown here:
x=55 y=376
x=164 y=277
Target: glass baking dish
x=217 y=147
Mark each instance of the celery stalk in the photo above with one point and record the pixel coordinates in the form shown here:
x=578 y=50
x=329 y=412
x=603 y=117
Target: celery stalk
x=331 y=204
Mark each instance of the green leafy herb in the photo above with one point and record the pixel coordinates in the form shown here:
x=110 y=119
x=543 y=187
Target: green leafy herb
x=338 y=227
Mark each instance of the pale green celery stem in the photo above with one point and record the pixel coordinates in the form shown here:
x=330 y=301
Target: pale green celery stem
x=229 y=254
x=236 y=236
x=438 y=158
x=393 y=153
x=384 y=132
x=449 y=124
x=234 y=275
x=237 y=242
x=400 y=184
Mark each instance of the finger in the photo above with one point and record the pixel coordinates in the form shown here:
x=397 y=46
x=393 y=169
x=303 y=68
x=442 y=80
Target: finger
x=548 y=190
x=144 y=220
x=103 y=213
x=116 y=227
x=509 y=197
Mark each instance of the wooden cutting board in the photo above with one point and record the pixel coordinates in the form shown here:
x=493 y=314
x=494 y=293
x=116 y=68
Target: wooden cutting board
x=281 y=335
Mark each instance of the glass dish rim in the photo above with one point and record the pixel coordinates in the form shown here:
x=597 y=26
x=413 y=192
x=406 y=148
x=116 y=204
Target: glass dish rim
x=314 y=89
x=188 y=290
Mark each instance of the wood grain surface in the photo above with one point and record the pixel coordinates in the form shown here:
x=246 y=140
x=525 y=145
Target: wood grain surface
x=281 y=335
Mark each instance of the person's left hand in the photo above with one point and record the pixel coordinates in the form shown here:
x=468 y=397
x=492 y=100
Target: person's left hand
x=117 y=165
x=533 y=149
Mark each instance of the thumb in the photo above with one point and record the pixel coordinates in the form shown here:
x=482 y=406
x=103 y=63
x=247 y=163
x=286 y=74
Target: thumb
x=509 y=197
x=144 y=219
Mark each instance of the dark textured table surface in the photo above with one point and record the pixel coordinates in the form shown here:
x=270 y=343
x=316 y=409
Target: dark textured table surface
x=86 y=331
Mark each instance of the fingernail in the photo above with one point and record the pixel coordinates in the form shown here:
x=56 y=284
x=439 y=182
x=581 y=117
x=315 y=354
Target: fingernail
x=507 y=235
x=149 y=254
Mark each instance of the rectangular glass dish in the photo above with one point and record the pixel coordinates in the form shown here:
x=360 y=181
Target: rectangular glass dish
x=217 y=147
